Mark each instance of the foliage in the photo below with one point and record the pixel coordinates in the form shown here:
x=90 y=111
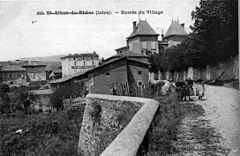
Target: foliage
x=57 y=98
x=22 y=96
x=66 y=91
x=54 y=134
x=4 y=98
x=4 y=88
x=163 y=128
x=214 y=38
x=216 y=28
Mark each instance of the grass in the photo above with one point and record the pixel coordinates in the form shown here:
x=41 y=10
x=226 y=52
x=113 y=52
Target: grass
x=53 y=134
x=163 y=132
x=163 y=128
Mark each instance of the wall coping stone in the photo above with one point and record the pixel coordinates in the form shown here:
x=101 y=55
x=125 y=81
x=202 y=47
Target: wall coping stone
x=130 y=139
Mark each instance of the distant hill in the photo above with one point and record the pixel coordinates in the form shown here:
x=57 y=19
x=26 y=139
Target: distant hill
x=54 y=58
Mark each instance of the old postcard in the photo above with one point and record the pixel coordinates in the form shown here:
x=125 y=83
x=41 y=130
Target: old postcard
x=119 y=78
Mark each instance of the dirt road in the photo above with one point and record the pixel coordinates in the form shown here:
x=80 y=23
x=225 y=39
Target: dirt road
x=212 y=126
x=222 y=109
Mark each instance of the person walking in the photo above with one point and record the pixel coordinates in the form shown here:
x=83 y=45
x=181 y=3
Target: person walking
x=190 y=91
x=200 y=89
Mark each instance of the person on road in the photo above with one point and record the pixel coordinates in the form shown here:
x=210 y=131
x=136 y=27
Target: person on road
x=200 y=89
x=190 y=91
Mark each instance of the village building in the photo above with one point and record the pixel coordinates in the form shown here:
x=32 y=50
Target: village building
x=36 y=72
x=175 y=34
x=129 y=68
x=122 y=49
x=12 y=72
x=42 y=99
x=54 y=71
x=143 y=39
x=118 y=75
x=79 y=63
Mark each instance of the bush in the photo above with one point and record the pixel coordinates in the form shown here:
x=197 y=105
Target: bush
x=54 y=134
x=163 y=128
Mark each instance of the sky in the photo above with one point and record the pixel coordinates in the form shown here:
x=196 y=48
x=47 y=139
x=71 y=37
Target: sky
x=23 y=33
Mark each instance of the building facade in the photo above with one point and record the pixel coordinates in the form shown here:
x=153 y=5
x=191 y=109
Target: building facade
x=11 y=73
x=175 y=34
x=79 y=63
x=35 y=72
x=118 y=74
x=143 y=39
x=121 y=73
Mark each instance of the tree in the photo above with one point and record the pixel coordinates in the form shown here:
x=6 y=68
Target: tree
x=214 y=38
x=216 y=28
x=4 y=88
x=4 y=98
x=23 y=98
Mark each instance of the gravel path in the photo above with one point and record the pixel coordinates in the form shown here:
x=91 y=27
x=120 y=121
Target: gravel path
x=212 y=126
x=222 y=109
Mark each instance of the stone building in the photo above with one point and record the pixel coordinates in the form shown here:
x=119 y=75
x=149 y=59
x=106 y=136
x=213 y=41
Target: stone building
x=122 y=72
x=12 y=72
x=142 y=40
x=175 y=34
x=35 y=72
x=79 y=63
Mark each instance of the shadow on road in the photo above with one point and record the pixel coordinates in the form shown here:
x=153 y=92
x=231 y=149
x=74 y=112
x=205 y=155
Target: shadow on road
x=195 y=135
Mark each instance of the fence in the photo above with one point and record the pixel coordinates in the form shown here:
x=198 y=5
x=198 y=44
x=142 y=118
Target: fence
x=230 y=70
x=149 y=90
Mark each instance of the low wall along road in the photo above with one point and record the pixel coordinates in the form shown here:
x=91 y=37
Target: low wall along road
x=127 y=139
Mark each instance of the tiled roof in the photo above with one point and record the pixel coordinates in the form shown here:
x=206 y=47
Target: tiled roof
x=126 y=54
x=34 y=65
x=12 y=68
x=175 y=29
x=41 y=91
x=114 y=61
x=64 y=79
x=56 y=68
x=143 y=28
x=81 y=55
x=125 y=47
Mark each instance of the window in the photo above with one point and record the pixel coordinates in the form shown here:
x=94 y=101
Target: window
x=84 y=63
x=107 y=74
x=75 y=63
x=93 y=63
x=153 y=45
x=10 y=75
x=140 y=84
x=144 y=45
x=139 y=72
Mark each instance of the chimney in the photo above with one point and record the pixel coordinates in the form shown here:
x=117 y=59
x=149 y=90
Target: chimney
x=134 y=25
x=182 y=25
x=162 y=34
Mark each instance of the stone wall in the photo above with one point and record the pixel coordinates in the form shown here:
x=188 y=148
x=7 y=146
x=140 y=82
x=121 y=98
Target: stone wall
x=104 y=118
x=128 y=142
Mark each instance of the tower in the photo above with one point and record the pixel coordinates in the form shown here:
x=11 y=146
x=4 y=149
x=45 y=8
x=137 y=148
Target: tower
x=175 y=33
x=143 y=39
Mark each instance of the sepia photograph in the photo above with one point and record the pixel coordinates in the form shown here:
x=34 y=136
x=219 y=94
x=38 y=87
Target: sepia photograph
x=119 y=78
